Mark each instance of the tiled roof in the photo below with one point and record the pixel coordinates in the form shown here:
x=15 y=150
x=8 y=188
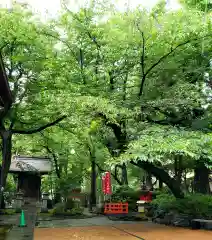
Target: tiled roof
x=30 y=164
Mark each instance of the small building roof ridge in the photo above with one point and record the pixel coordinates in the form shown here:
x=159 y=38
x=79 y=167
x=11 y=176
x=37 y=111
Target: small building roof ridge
x=31 y=157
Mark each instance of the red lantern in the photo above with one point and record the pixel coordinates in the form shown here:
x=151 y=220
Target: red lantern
x=146 y=197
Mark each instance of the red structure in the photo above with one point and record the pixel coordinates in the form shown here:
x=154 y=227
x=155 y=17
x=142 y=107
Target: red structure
x=106 y=184
x=116 y=208
x=146 y=197
x=108 y=187
x=103 y=184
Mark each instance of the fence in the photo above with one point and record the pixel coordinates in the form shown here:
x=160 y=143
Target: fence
x=116 y=208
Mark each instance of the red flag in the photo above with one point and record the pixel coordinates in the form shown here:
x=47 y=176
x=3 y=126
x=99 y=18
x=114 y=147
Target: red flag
x=108 y=187
x=103 y=184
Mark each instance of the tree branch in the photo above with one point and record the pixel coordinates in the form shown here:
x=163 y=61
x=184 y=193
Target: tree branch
x=162 y=175
x=82 y=66
x=39 y=129
x=173 y=119
x=113 y=175
x=55 y=160
x=62 y=41
x=163 y=58
x=142 y=55
x=116 y=173
x=115 y=127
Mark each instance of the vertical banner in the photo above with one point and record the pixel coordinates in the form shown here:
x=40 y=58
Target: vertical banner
x=103 y=184
x=108 y=189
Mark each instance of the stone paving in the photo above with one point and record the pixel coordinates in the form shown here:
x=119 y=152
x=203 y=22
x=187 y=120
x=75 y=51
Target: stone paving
x=24 y=233
x=9 y=219
x=94 y=221
x=96 y=228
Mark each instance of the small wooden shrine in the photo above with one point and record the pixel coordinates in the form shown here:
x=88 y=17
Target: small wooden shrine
x=29 y=171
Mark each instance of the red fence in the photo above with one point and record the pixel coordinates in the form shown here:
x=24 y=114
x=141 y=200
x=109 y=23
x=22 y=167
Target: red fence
x=116 y=208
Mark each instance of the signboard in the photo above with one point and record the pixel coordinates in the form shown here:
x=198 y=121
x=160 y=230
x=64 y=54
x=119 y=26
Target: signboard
x=103 y=184
x=106 y=183
x=108 y=189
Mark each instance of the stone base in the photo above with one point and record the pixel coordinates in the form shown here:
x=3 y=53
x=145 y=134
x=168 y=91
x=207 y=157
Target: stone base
x=44 y=210
x=201 y=224
x=18 y=210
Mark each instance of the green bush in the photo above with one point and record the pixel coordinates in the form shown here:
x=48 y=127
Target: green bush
x=77 y=211
x=69 y=204
x=195 y=205
x=126 y=194
x=7 y=211
x=60 y=209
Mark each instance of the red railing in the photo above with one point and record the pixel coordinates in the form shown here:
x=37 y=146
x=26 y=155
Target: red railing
x=116 y=208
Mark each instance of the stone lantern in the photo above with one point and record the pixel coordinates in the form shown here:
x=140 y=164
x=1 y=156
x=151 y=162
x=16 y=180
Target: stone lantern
x=45 y=198
x=19 y=201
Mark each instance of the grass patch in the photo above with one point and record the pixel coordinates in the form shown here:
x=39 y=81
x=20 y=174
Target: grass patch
x=7 y=211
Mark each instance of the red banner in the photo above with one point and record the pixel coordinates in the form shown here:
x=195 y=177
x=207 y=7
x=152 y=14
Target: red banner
x=108 y=187
x=103 y=184
x=106 y=183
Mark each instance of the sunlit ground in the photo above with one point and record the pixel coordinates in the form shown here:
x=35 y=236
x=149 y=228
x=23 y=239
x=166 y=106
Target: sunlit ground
x=142 y=230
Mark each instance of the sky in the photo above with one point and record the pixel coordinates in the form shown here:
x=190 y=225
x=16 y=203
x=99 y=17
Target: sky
x=53 y=6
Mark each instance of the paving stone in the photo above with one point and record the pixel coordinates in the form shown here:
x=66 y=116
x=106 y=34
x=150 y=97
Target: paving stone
x=24 y=233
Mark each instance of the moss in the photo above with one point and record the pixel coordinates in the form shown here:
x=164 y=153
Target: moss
x=8 y=212
x=49 y=214
x=3 y=231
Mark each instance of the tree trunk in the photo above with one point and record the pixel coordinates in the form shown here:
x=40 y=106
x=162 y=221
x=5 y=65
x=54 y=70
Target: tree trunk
x=124 y=174
x=124 y=177
x=201 y=178
x=162 y=175
x=160 y=184
x=2 y=205
x=57 y=197
x=178 y=169
x=6 y=136
x=149 y=181
x=93 y=183
x=116 y=175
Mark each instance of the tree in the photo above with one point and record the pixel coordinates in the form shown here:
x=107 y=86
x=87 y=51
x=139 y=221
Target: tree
x=25 y=58
x=203 y=5
x=137 y=85
x=151 y=68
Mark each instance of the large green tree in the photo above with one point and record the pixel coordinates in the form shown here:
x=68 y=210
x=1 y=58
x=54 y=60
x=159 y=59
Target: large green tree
x=149 y=66
x=25 y=57
x=131 y=84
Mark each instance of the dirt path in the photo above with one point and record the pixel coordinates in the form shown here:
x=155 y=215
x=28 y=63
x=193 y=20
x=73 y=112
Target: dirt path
x=146 y=231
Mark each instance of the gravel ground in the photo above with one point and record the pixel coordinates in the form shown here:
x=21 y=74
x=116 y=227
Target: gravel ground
x=145 y=231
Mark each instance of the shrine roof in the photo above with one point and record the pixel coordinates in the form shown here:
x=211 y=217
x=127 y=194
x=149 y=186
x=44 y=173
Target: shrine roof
x=41 y=165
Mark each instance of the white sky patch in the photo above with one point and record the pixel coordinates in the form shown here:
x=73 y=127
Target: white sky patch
x=50 y=8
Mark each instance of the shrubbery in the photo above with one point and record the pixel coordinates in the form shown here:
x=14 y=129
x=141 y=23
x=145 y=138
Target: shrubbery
x=194 y=205
x=7 y=212
x=66 y=209
x=127 y=194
